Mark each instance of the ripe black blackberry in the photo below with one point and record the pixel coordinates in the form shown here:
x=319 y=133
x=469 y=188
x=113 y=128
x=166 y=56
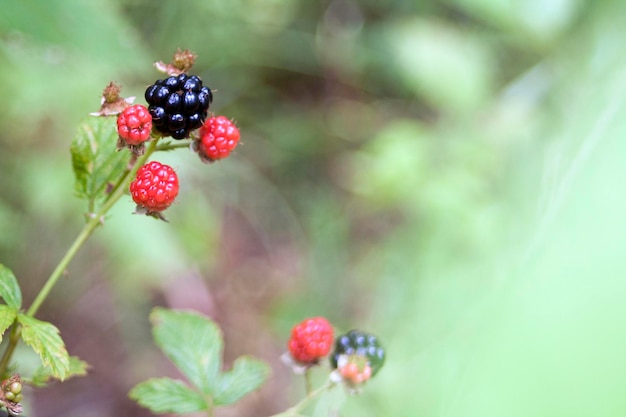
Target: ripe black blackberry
x=178 y=104
x=357 y=343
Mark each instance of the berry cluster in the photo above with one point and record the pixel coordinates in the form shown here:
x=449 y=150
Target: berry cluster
x=178 y=104
x=177 y=107
x=11 y=394
x=357 y=356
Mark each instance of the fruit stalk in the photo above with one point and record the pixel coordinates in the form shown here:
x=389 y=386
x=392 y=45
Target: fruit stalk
x=296 y=410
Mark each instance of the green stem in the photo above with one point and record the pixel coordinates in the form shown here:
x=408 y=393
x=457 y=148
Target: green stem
x=172 y=146
x=132 y=162
x=307 y=381
x=296 y=409
x=82 y=237
x=210 y=412
x=86 y=232
x=14 y=338
x=62 y=265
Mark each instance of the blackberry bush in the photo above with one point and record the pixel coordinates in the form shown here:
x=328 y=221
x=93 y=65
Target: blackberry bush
x=111 y=158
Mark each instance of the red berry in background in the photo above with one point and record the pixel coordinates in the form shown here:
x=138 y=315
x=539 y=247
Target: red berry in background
x=355 y=374
x=218 y=137
x=155 y=187
x=134 y=124
x=311 y=340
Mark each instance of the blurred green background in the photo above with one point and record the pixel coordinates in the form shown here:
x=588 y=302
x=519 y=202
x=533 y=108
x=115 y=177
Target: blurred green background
x=444 y=174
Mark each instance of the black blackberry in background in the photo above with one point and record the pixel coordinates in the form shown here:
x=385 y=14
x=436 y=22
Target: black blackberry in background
x=359 y=343
x=178 y=104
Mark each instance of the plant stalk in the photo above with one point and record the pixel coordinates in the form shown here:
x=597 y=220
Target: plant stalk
x=307 y=381
x=296 y=409
x=86 y=232
x=82 y=237
x=172 y=146
x=14 y=338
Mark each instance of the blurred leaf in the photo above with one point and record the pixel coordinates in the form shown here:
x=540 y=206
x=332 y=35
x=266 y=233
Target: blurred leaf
x=397 y=161
x=45 y=340
x=9 y=288
x=246 y=375
x=449 y=68
x=95 y=159
x=75 y=25
x=53 y=39
x=531 y=20
x=166 y=395
x=192 y=342
x=43 y=375
x=7 y=316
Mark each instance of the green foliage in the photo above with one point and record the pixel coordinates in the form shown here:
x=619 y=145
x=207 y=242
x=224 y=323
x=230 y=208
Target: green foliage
x=246 y=375
x=43 y=375
x=42 y=336
x=194 y=344
x=397 y=159
x=166 y=395
x=199 y=358
x=7 y=317
x=96 y=162
x=45 y=340
x=481 y=236
x=12 y=295
x=9 y=288
x=449 y=68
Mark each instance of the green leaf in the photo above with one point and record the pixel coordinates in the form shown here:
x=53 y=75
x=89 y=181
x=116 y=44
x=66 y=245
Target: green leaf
x=45 y=340
x=9 y=288
x=7 y=317
x=246 y=375
x=192 y=342
x=95 y=159
x=43 y=375
x=166 y=395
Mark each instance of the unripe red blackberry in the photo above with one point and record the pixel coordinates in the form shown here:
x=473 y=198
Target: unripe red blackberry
x=311 y=340
x=178 y=104
x=134 y=124
x=218 y=137
x=155 y=187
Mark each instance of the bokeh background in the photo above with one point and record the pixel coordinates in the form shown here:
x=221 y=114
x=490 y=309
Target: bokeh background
x=445 y=174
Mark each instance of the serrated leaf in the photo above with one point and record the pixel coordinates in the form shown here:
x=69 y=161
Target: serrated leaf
x=95 y=159
x=246 y=375
x=43 y=374
x=166 y=395
x=45 y=340
x=192 y=342
x=7 y=317
x=78 y=367
x=9 y=288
